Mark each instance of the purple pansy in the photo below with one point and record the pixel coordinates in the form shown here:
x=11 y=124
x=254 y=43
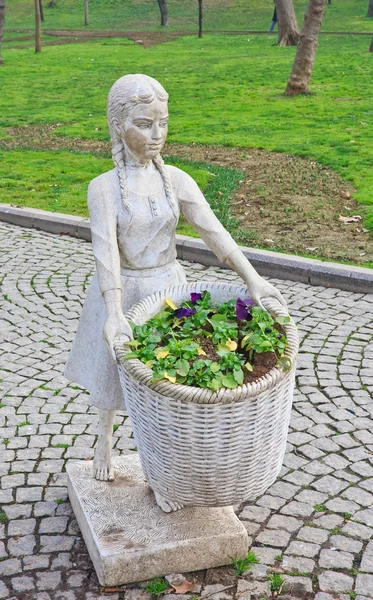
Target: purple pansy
x=194 y=296
x=184 y=312
x=242 y=312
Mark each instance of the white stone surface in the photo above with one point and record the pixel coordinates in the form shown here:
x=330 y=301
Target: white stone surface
x=129 y=538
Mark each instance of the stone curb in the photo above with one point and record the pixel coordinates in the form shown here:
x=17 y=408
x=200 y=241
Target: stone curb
x=271 y=264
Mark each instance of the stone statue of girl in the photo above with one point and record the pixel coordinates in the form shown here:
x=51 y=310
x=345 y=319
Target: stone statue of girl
x=134 y=210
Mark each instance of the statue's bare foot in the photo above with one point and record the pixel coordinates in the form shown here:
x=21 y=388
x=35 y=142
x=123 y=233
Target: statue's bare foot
x=102 y=467
x=165 y=504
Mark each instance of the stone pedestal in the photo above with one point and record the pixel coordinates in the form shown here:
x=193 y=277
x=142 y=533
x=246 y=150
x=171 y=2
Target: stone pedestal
x=129 y=538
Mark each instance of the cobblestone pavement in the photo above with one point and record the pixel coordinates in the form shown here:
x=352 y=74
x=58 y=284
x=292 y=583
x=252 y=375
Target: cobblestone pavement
x=314 y=526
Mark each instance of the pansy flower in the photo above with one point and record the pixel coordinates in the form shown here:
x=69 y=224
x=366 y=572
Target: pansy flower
x=194 y=296
x=242 y=309
x=184 y=312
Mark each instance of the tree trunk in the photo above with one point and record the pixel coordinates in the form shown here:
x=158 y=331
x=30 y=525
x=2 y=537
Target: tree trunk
x=370 y=9
x=288 y=31
x=37 y=26
x=41 y=10
x=200 y=17
x=300 y=76
x=2 y=22
x=371 y=46
x=86 y=12
x=164 y=12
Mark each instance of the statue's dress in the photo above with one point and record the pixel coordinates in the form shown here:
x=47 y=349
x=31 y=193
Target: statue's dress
x=135 y=248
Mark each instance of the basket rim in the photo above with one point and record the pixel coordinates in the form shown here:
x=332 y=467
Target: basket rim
x=176 y=391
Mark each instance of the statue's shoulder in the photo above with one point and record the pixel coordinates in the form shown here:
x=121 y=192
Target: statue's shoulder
x=103 y=183
x=178 y=177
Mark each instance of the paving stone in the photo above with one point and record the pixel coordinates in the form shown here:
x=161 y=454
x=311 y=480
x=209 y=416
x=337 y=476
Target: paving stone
x=328 y=521
x=278 y=538
x=56 y=543
x=4 y=591
x=289 y=524
x=367 y=563
x=15 y=511
x=330 y=485
x=358 y=495
x=255 y=513
x=12 y=566
x=342 y=542
x=53 y=525
x=266 y=556
x=283 y=490
x=342 y=506
x=364 y=584
x=312 y=497
x=22 y=584
x=303 y=549
x=22 y=546
x=365 y=517
x=298 y=585
x=333 y=581
x=297 y=509
x=357 y=530
x=334 y=559
x=21 y=526
x=48 y=580
x=297 y=564
x=38 y=561
x=312 y=534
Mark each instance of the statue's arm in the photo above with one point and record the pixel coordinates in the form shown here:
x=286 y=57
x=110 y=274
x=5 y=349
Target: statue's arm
x=199 y=214
x=103 y=218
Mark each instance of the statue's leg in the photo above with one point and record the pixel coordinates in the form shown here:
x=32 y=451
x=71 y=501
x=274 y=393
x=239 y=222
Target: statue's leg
x=165 y=504
x=102 y=467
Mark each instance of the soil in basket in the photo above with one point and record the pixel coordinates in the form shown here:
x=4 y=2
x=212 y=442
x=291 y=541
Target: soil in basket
x=263 y=362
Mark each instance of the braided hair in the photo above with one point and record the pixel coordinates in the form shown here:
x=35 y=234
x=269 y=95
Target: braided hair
x=125 y=94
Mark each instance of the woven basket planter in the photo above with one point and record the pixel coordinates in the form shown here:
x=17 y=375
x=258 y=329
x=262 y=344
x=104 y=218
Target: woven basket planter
x=197 y=447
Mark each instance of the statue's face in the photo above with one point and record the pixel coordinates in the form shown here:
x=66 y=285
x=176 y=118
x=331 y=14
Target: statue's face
x=144 y=131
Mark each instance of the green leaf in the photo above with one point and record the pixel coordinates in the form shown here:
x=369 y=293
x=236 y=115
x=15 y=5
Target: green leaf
x=285 y=363
x=214 y=367
x=249 y=367
x=229 y=381
x=238 y=376
x=130 y=355
x=182 y=367
x=282 y=320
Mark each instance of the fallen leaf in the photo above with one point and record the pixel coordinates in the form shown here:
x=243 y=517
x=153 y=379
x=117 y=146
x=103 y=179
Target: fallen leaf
x=232 y=345
x=162 y=354
x=186 y=586
x=347 y=208
x=349 y=220
x=269 y=241
x=347 y=195
x=170 y=303
x=362 y=253
x=201 y=352
x=312 y=249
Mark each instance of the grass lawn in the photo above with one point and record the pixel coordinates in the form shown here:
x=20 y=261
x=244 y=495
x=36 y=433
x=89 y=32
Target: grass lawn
x=224 y=90
x=341 y=15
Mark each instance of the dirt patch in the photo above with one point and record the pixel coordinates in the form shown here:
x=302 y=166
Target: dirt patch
x=284 y=202
x=144 y=38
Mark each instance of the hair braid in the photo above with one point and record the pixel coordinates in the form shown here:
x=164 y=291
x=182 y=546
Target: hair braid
x=117 y=153
x=159 y=163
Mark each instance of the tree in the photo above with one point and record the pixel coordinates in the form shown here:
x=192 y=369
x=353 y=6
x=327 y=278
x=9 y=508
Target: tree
x=288 y=31
x=371 y=46
x=37 y=26
x=200 y=17
x=41 y=10
x=86 y=12
x=370 y=9
x=2 y=22
x=164 y=12
x=300 y=76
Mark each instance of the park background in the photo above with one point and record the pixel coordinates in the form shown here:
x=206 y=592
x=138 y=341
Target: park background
x=279 y=172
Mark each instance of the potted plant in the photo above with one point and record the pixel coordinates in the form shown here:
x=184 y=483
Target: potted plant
x=208 y=381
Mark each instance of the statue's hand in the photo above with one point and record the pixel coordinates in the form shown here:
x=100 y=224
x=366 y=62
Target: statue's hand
x=260 y=289
x=116 y=326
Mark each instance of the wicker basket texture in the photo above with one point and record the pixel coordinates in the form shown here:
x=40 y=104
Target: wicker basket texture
x=200 y=448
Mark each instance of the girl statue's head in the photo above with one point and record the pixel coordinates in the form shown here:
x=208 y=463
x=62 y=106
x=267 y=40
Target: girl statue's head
x=127 y=93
